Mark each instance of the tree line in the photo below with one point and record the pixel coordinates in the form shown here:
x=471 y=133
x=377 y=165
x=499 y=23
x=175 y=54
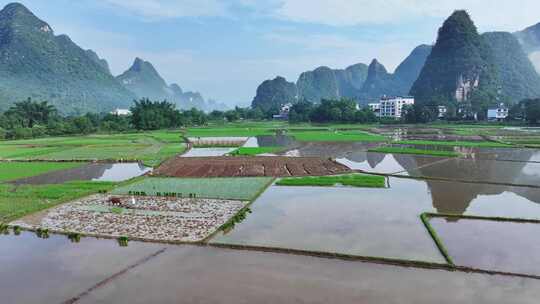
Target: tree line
x=527 y=111
x=31 y=119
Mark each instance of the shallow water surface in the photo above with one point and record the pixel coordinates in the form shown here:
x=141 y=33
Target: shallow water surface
x=491 y=245
x=269 y=141
x=363 y=222
x=199 y=152
x=372 y=222
x=106 y=172
x=482 y=170
x=55 y=270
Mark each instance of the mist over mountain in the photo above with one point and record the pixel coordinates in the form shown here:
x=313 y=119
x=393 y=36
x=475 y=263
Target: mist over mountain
x=530 y=40
x=517 y=75
x=143 y=80
x=36 y=63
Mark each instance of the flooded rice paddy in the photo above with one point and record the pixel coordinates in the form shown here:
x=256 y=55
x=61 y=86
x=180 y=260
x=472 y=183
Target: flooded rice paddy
x=372 y=222
x=493 y=245
x=358 y=222
x=99 y=271
x=481 y=170
x=105 y=172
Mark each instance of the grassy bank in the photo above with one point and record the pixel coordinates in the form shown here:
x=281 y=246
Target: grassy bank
x=250 y=151
x=425 y=217
x=404 y=150
x=19 y=201
x=354 y=180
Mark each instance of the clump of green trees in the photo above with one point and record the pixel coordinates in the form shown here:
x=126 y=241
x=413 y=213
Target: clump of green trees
x=330 y=110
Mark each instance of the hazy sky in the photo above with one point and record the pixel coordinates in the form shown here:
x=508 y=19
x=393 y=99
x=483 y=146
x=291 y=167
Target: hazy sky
x=224 y=49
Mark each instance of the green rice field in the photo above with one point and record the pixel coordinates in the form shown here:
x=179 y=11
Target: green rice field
x=335 y=136
x=19 y=201
x=239 y=188
x=354 y=180
x=151 y=147
x=227 y=132
x=250 y=151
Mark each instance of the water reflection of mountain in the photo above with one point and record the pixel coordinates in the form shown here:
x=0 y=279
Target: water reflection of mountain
x=453 y=197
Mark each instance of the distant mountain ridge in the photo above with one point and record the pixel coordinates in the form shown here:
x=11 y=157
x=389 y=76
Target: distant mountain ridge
x=360 y=82
x=35 y=63
x=143 y=80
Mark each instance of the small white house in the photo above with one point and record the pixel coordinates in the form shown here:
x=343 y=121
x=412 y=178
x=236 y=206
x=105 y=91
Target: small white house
x=498 y=113
x=283 y=112
x=121 y=112
x=442 y=111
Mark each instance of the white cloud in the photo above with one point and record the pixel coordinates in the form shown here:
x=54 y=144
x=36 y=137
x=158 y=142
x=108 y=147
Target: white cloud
x=152 y=10
x=495 y=14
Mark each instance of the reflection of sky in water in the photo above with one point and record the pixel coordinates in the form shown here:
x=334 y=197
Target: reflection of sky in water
x=252 y=142
x=491 y=245
x=532 y=169
x=53 y=270
x=387 y=165
x=201 y=152
x=121 y=172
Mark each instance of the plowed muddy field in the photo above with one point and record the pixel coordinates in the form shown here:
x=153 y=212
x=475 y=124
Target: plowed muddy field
x=249 y=166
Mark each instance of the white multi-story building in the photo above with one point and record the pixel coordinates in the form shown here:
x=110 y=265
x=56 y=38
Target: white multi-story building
x=498 y=113
x=392 y=106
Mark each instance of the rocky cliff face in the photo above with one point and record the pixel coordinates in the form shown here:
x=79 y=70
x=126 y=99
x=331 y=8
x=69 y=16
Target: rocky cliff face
x=460 y=68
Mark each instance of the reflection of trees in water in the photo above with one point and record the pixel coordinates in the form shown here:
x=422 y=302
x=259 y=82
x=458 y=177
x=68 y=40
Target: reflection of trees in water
x=85 y=172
